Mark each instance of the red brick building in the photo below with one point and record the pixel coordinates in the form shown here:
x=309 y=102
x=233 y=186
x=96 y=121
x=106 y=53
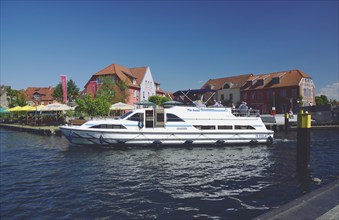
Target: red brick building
x=282 y=90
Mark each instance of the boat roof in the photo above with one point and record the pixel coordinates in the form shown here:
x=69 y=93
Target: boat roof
x=193 y=91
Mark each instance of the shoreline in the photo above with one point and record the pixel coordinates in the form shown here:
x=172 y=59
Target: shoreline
x=40 y=130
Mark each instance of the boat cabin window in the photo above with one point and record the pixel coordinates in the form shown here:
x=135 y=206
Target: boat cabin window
x=244 y=127
x=172 y=117
x=126 y=115
x=149 y=119
x=205 y=127
x=225 y=127
x=136 y=117
x=109 y=126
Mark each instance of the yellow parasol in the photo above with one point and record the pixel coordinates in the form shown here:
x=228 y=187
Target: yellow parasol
x=28 y=108
x=15 y=109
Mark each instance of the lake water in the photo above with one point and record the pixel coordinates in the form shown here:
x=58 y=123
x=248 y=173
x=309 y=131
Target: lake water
x=45 y=177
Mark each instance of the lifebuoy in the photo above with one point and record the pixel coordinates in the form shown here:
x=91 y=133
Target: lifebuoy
x=140 y=124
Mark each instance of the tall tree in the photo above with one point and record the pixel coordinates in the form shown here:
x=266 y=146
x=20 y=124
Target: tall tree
x=321 y=100
x=72 y=91
x=15 y=98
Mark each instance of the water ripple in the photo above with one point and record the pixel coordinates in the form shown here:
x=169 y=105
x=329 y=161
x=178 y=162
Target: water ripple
x=45 y=177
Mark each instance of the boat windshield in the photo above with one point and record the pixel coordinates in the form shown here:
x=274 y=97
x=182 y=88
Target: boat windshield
x=126 y=115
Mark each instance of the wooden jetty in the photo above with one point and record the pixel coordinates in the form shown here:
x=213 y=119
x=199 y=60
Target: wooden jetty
x=41 y=130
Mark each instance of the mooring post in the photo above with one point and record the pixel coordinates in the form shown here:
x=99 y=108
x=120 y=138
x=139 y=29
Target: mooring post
x=303 y=143
x=287 y=123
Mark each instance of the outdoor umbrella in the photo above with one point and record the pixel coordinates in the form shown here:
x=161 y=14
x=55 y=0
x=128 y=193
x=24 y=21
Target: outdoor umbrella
x=15 y=109
x=27 y=108
x=121 y=106
x=3 y=110
x=146 y=103
x=56 y=107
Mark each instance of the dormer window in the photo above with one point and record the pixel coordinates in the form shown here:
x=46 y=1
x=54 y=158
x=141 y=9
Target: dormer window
x=276 y=80
x=260 y=82
x=209 y=87
x=134 y=81
x=36 y=96
x=227 y=85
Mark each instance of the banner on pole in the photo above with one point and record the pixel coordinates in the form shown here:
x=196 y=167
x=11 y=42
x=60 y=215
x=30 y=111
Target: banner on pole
x=64 y=87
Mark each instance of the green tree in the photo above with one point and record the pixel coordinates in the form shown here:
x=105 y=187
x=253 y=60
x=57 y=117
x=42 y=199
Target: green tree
x=72 y=91
x=90 y=106
x=158 y=100
x=21 y=100
x=116 y=89
x=333 y=101
x=15 y=98
x=321 y=100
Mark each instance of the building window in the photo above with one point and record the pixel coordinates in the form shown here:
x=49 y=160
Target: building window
x=244 y=96
x=294 y=93
x=283 y=93
x=222 y=97
x=253 y=95
x=269 y=95
x=309 y=92
x=134 y=81
x=275 y=80
x=260 y=82
x=226 y=86
x=231 y=96
x=260 y=96
x=36 y=96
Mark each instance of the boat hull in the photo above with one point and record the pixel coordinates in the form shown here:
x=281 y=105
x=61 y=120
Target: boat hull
x=111 y=137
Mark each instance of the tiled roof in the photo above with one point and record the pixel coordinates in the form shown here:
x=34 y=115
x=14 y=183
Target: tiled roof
x=123 y=73
x=45 y=93
x=237 y=81
x=139 y=73
x=275 y=80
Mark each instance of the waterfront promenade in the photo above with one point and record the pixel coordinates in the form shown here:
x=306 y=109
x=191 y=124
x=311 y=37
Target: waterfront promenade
x=321 y=204
x=41 y=130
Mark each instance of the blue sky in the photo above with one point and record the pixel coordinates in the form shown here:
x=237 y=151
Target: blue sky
x=184 y=43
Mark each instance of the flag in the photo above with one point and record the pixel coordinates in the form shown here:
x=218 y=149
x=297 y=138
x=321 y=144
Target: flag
x=64 y=87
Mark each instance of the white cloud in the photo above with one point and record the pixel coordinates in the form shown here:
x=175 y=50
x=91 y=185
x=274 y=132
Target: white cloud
x=331 y=91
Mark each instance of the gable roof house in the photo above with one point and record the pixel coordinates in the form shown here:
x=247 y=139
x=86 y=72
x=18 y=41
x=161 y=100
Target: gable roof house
x=139 y=81
x=39 y=95
x=228 y=88
x=280 y=90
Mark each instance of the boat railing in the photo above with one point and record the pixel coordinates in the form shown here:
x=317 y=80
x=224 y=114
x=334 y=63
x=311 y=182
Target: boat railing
x=246 y=112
